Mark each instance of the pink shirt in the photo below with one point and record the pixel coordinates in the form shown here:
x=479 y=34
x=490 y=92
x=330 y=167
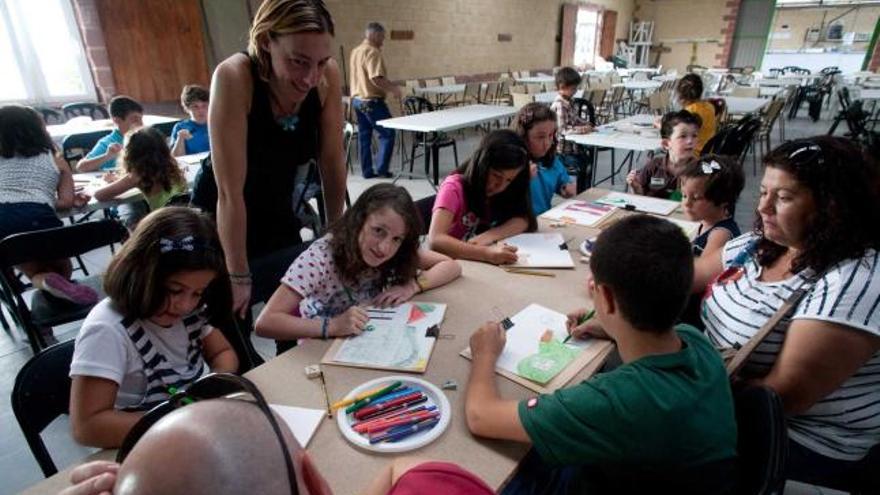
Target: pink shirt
x=439 y=477
x=451 y=198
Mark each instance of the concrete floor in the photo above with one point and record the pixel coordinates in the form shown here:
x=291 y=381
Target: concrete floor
x=18 y=469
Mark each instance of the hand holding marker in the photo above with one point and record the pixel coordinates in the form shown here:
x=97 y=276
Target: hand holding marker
x=583 y=319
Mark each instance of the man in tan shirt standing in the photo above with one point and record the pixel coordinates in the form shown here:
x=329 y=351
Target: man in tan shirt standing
x=369 y=85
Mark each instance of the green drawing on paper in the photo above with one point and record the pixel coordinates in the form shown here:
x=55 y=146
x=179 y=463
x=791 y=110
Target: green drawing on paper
x=425 y=307
x=552 y=357
x=369 y=328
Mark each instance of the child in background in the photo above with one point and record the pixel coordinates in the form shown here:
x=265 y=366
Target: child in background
x=126 y=114
x=149 y=167
x=665 y=414
x=567 y=119
x=485 y=201
x=167 y=288
x=536 y=124
x=191 y=136
x=659 y=178
x=34 y=181
x=370 y=256
x=710 y=188
x=690 y=94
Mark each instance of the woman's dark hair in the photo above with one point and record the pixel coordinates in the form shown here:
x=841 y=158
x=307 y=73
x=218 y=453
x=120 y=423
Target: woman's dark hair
x=648 y=264
x=168 y=241
x=672 y=119
x=501 y=149
x=344 y=245
x=146 y=154
x=23 y=133
x=724 y=179
x=529 y=116
x=567 y=77
x=846 y=190
x=689 y=88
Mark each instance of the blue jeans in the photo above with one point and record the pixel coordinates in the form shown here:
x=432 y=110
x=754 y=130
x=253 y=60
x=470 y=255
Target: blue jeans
x=368 y=113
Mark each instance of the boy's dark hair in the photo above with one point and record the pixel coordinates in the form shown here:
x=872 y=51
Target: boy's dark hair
x=346 y=250
x=530 y=115
x=689 y=88
x=23 y=132
x=192 y=93
x=146 y=154
x=845 y=184
x=121 y=106
x=168 y=241
x=723 y=184
x=648 y=264
x=501 y=149
x=567 y=77
x=672 y=119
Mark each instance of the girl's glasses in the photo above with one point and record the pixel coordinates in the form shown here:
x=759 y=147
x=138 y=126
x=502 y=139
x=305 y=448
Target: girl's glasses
x=213 y=386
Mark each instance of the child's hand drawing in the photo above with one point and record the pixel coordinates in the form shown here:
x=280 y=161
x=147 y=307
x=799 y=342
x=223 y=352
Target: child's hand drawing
x=502 y=254
x=488 y=341
x=352 y=322
x=397 y=294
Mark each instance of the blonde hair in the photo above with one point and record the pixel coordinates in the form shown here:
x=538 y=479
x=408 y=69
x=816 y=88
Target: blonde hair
x=280 y=17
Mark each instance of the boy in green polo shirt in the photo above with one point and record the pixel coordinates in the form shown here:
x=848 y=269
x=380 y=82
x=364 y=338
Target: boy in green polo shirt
x=664 y=417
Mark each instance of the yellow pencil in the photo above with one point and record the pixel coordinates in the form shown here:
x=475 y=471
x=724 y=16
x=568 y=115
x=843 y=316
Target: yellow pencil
x=326 y=396
x=363 y=395
x=528 y=272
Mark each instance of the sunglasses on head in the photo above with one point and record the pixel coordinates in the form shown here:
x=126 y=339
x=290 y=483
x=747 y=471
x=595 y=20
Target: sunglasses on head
x=807 y=152
x=212 y=386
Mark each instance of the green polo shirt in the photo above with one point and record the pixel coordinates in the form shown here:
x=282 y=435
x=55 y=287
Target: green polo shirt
x=671 y=410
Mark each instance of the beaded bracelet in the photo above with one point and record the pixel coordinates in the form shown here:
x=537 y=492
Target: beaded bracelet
x=324 y=324
x=419 y=284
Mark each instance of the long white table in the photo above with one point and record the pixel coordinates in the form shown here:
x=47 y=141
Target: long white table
x=638 y=85
x=632 y=134
x=548 y=96
x=446 y=120
x=91 y=181
x=60 y=131
x=737 y=105
x=536 y=79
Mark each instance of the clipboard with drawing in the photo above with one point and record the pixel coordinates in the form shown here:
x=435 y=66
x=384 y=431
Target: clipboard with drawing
x=535 y=355
x=541 y=250
x=399 y=338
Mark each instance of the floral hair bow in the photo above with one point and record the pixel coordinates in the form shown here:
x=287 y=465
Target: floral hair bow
x=709 y=167
x=183 y=244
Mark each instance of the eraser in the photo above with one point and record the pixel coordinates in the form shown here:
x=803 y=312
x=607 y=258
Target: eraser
x=313 y=371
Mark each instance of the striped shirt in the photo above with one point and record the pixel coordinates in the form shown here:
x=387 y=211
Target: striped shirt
x=845 y=424
x=143 y=358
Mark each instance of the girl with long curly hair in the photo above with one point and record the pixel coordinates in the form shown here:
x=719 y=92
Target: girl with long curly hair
x=149 y=166
x=370 y=256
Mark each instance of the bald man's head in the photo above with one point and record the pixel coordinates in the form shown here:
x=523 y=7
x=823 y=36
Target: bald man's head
x=217 y=446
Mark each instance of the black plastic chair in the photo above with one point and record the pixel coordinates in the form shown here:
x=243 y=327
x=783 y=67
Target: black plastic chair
x=94 y=111
x=50 y=115
x=46 y=311
x=584 y=109
x=76 y=146
x=42 y=393
x=425 y=207
x=762 y=441
x=165 y=127
x=430 y=141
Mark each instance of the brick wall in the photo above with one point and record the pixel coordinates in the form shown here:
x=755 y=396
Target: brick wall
x=96 y=50
x=730 y=14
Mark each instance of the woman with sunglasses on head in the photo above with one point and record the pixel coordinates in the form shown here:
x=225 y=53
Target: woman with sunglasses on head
x=167 y=289
x=818 y=228
x=273 y=111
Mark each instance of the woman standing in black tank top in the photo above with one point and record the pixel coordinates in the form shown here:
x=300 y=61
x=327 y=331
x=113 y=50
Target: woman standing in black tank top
x=274 y=110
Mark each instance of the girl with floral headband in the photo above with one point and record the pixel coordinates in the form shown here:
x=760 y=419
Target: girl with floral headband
x=167 y=289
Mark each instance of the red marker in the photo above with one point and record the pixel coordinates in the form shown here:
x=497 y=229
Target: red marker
x=392 y=405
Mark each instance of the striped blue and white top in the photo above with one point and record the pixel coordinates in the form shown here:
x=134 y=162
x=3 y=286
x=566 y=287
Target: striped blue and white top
x=143 y=358
x=845 y=424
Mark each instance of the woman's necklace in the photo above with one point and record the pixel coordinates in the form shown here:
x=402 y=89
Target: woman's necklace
x=288 y=117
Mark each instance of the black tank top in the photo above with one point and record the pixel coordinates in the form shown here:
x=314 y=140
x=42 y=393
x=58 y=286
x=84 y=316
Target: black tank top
x=273 y=157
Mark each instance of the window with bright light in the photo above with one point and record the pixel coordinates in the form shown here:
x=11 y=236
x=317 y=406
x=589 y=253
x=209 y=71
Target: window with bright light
x=585 y=37
x=41 y=53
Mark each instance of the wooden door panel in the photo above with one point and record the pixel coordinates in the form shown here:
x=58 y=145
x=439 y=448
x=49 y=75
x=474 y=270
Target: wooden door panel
x=609 y=26
x=154 y=46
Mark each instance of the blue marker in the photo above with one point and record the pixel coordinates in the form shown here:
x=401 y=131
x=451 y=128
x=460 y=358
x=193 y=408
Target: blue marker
x=407 y=431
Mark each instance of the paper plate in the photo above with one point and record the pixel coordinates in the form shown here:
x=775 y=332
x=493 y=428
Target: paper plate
x=435 y=396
